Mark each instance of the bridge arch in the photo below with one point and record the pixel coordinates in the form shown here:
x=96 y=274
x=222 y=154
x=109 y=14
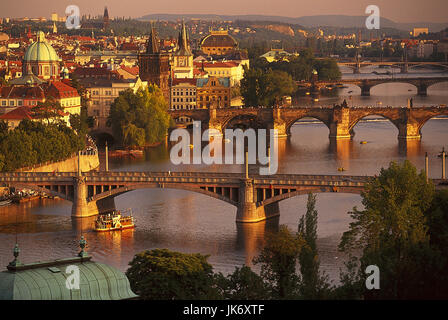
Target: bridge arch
x=399 y=82
x=42 y=189
x=242 y=121
x=437 y=82
x=320 y=189
x=290 y=123
x=425 y=120
x=124 y=189
x=354 y=122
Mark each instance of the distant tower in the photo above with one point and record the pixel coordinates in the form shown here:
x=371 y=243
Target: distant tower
x=55 y=29
x=105 y=19
x=154 y=66
x=183 y=58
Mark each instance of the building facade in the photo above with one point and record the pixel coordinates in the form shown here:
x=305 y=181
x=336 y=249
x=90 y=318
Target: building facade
x=183 y=94
x=102 y=94
x=213 y=92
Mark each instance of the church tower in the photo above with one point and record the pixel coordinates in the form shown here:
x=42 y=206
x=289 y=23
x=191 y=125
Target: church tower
x=183 y=58
x=154 y=66
x=105 y=19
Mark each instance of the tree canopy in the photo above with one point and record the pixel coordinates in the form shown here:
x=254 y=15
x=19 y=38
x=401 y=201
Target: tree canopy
x=259 y=88
x=164 y=274
x=33 y=142
x=140 y=118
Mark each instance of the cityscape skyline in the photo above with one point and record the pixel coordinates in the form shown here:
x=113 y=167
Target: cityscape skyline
x=416 y=11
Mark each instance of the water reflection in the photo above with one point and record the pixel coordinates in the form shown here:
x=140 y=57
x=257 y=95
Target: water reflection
x=250 y=237
x=409 y=148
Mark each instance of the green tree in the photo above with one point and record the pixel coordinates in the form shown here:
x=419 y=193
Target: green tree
x=260 y=88
x=140 y=118
x=242 y=284
x=278 y=260
x=164 y=274
x=313 y=284
x=50 y=110
x=392 y=233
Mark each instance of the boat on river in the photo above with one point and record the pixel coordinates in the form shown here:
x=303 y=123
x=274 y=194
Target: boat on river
x=114 y=220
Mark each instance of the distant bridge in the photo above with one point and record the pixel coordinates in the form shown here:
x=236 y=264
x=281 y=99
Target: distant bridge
x=421 y=83
x=256 y=198
x=340 y=120
x=403 y=65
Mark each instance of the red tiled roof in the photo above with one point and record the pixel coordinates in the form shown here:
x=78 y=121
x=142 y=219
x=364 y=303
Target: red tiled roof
x=19 y=113
x=131 y=70
x=96 y=72
x=177 y=81
x=60 y=90
x=22 y=92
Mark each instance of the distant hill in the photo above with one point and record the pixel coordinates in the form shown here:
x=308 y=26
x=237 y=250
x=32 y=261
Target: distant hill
x=307 y=21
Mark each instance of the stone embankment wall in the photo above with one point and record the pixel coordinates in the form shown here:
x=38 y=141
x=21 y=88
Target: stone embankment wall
x=89 y=161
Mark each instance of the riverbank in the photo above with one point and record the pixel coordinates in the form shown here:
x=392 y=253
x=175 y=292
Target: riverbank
x=88 y=161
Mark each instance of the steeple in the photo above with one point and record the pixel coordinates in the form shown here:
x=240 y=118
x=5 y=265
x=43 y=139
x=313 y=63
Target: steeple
x=153 y=45
x=105 y=18
x=182 y=42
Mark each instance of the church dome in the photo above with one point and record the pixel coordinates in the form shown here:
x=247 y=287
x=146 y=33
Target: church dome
x=219 y=38
x=40 y=50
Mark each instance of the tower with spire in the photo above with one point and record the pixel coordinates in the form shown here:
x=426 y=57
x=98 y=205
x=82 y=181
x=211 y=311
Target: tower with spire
x=183 y=58
x=154 y=65
x=105 y=19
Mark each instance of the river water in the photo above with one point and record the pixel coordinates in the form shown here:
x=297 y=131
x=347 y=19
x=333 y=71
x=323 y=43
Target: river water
x=189 y=222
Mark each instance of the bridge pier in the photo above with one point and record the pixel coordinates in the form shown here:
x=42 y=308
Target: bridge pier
x=80 y=207
x=365 y=89
x=339 y=126
x=248 y=211
x=409 y=131
x=422 y=89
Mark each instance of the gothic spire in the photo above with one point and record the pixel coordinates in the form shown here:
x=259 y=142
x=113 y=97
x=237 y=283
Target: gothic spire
x=153 y=45
x=184 y=48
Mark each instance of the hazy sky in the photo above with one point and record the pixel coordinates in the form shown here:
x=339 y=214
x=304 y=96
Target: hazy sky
x=397 y=10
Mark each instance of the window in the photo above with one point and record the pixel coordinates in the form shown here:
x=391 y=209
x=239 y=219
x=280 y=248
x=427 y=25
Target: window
x=11 y=103
x=19 y=103
x=3 y=102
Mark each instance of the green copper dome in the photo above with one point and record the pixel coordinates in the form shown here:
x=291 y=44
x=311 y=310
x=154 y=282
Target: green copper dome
x=40 y=50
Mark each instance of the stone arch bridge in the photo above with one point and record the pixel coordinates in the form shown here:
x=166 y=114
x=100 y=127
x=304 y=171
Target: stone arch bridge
x=421 y=83
x=340 y=120
x=256 y=198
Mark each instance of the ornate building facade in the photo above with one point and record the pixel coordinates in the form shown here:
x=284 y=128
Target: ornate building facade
x=154 y=66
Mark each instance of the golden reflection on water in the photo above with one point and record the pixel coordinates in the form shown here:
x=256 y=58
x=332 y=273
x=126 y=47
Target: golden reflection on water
x=251 y=236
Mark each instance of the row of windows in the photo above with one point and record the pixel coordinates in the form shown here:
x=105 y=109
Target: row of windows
x=213 y=98
x=97 y=93
x=219 y=72
x=182 y=99
x=18 y=103
x=187 y=93
x=71 y=102
x=183 y=107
